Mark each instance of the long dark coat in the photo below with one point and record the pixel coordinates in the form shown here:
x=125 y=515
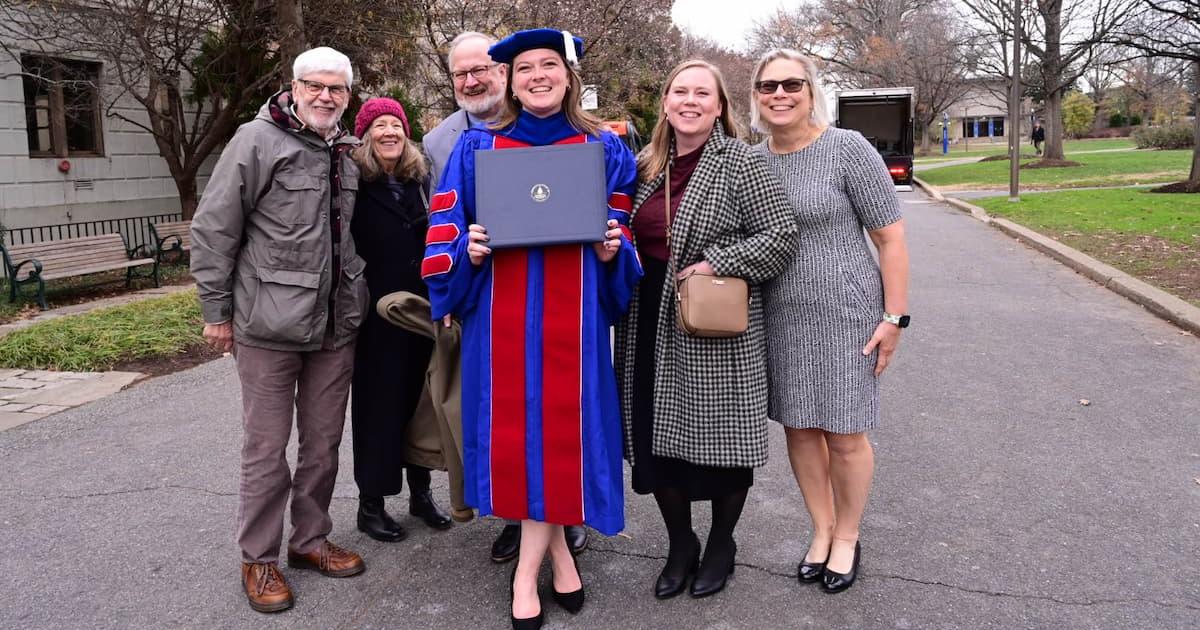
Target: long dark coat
x=710 y=395
x=389 y=363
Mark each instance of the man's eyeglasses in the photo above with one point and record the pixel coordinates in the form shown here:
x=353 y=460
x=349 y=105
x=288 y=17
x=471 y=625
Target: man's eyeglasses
x=314 y=88
x=791 y=86
x=478 y=72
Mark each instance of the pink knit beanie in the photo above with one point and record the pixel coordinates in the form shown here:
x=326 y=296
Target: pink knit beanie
x=376 y=107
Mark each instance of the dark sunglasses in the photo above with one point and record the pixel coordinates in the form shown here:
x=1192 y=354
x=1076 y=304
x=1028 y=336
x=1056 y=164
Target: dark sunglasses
x=791 y=86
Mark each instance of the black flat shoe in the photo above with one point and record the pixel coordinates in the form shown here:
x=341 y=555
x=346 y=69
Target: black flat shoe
x=577 y=538
x=673 y=577
x=524 y=623
x=374 y=521
x=834 y=582
x=421 y=505
x=811 y=571
x=507 y=544
x=571 y=602
x=714 y=571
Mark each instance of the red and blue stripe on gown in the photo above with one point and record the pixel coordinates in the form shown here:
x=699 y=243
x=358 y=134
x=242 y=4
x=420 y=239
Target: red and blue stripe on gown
x=541 y=418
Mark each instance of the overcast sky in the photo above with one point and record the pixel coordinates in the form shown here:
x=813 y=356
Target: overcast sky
x=723 y=21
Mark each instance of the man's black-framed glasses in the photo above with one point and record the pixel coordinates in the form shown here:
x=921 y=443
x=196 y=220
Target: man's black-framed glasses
x=791 y=86
x=478 y=72
x=314 y=88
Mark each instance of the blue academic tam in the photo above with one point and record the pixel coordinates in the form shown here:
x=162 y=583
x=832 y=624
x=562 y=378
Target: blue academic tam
x=505 y=50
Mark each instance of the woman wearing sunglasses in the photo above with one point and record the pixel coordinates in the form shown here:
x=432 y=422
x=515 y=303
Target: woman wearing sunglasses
x=834 y=317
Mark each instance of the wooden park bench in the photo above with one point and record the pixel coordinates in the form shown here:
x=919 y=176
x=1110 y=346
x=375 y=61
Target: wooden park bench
x=51 y=260
x=171 y=238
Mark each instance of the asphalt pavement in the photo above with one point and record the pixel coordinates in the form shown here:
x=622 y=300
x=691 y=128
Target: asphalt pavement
x=1038 y=466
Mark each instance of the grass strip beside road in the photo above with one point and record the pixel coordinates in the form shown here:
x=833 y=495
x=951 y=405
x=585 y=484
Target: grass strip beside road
x=100 y=339
x=1097 y=169
x=1069 y=147
x=1152 y=236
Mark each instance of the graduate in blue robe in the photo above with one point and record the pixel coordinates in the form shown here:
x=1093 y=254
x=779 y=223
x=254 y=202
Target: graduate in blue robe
x=541 y=418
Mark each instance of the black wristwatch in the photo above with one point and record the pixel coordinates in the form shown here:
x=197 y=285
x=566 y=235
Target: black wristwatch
x=898 y=320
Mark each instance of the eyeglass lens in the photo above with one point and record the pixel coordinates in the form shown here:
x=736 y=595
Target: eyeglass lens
x=790 y=86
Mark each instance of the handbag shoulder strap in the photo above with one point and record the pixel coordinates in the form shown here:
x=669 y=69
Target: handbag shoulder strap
x=667 y=205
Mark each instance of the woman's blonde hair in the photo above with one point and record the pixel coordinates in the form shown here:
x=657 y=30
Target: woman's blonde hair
x=820 y=107
x=653 y=159
x=572 y=105
x=410 y=166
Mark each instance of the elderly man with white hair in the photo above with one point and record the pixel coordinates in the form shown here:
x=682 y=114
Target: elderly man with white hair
x=281 y=287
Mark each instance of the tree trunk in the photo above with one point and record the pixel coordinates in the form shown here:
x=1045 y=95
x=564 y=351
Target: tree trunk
x=1052 y=149
x=292 y=41
x=1052 y=71
x=186 y=185
x=1194 y=176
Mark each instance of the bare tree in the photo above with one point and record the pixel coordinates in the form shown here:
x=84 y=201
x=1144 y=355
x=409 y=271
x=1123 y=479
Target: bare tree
x=1063 y=37
x=1171 y=29
x=879 y=43
x=191 y=65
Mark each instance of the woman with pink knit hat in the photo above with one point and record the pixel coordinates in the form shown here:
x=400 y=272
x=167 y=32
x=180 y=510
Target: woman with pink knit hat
x=389 y=363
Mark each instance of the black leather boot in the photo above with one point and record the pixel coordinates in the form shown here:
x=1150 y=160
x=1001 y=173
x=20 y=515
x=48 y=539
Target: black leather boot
x=374 y=521
x=421 y=505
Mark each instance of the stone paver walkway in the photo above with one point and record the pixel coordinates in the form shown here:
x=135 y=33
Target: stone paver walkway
x=27 y=395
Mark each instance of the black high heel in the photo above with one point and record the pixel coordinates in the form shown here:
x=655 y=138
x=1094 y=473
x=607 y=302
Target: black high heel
x=834 y=582
x=525 y=623
x=671 y=583
x=812 y=571
x=571 y=602
x=710 y=581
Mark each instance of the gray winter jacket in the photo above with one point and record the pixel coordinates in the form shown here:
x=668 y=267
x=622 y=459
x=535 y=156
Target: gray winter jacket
x=263 y=241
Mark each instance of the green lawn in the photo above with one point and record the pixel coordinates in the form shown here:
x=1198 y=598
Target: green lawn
x=99 y=339
x=1098 y=169
x=80 y=289
x=1069 y=146
x=1174 y=217
x=1153 y=236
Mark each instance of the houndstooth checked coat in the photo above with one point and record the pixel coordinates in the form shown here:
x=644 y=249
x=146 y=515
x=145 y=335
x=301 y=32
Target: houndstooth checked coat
x=710 y=395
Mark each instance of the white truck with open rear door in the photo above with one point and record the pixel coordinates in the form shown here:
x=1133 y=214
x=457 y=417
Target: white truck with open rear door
x=885 y=117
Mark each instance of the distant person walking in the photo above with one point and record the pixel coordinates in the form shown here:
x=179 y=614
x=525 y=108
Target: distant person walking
x=1038 y=136
x=833 y=318
x=281 y=286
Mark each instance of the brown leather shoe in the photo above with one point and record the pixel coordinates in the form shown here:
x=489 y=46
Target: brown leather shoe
x=265 y=588
x=330 y=559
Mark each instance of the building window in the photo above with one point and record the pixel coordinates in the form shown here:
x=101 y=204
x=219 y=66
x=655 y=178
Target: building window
x=62 y=107
x=983 y=127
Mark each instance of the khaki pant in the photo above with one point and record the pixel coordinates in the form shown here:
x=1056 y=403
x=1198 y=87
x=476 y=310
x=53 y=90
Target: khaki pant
x=315 y=384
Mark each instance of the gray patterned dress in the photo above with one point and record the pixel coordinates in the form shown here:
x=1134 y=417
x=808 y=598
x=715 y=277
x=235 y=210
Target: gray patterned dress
x=824 y=308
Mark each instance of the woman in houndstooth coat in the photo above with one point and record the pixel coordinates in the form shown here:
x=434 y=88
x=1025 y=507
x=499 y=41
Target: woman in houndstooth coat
x=695 y=409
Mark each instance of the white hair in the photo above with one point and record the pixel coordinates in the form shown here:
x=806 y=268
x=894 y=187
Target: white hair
x=466 y=36
x=820 y=108
x=322 y=59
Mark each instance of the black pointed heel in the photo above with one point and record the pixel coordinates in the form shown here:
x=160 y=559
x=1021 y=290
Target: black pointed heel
x=711 y=580
x=571 y=602
x=671 y=581
x=524 y=623
x=834 y=582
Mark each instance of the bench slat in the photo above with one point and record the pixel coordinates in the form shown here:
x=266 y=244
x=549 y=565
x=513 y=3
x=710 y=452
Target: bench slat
x=67 y=242
x=96 y=269
x=66 y=258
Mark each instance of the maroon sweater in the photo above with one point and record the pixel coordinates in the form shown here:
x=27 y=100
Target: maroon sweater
x=650 y=224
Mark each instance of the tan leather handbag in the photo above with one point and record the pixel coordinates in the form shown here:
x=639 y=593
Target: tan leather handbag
x=708 y=305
